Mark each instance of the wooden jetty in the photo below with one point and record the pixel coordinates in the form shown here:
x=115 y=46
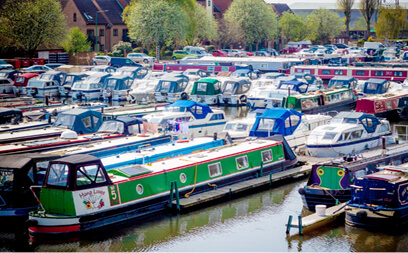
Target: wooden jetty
x=315 y=221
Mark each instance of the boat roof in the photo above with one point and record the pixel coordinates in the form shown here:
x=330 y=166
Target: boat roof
x=376 y=80
x=78 y=159
x=19 y=161
x=192 y=107
x=121 y=77
x=129 y=120
x=343 y=78
x=208 y=80
x=7 y=111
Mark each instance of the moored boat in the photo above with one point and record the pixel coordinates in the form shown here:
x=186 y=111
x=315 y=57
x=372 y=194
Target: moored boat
x=347 y=134
x=95 y=199
x=379 y=200
x=330 y=181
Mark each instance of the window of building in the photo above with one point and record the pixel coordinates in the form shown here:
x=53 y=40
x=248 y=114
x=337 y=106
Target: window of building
x=101 y=47
x=90 y=32
x=75 y=18
x=209 y=2
x=101 y=32
x=115 y=32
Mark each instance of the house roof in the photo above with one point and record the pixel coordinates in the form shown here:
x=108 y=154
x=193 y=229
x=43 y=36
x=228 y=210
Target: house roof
x=88 y=10
x=281 y=8
x=115 y=11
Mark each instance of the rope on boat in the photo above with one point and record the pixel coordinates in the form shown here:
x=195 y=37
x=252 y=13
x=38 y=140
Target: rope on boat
x=195 y=181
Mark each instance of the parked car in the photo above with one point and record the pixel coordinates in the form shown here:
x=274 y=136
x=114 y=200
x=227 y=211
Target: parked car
x=261 y=53
x=341 y=45
x=239 y=53
x=37 y=69
x=229 y=52
x=271 y=51
x=118 y=62
x=141 y=57
x=5 y=65
x=219 y=53
x=54 y=65
x=101 y=60
x=179 y=54
x=331 y=47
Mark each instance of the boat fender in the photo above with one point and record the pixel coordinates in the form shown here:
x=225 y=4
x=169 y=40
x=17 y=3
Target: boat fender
x=302 y=191
x=142 y=135
x=362 y=214
x=182 y=141
x=243 y=98
x=184 y=96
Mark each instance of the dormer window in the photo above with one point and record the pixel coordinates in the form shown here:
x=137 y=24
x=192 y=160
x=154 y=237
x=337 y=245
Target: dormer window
x=75 y=18
x=88 y=17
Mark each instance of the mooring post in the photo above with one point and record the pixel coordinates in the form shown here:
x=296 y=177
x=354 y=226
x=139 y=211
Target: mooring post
x=337 y=202
x=270 y=179
x=289 y=224
x=300 y=225
x=171 y=195
x=261 y=169
x=177 y=195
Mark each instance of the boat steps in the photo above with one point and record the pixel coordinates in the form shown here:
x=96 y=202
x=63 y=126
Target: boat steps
x=234 y=189
x=315 y=221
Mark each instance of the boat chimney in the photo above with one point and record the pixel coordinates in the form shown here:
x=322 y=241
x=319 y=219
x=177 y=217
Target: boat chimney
x=215 y=136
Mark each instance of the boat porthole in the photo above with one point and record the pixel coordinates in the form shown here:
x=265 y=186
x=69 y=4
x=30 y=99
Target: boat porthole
x=139 y=189
x=320 y=172
x=183 y=178
x=340 y=173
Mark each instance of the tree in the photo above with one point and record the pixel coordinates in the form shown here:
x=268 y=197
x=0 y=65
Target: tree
x=157 y=22
x=76 y=41
x=323 y=25
x=201 y=27
x=230 y=33
x=30 y=24
x=121 y=47
x=367 y=9
x=345 y=7
x=391 y=20
x=359 y=24
x=256 y=19
x=292 y=26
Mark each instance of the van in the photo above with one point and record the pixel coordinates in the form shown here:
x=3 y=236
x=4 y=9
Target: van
x=199 y=51
x=374 y=45
x=118 y=62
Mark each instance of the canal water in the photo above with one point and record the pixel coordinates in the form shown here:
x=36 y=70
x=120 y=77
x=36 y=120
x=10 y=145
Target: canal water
x=253 y=223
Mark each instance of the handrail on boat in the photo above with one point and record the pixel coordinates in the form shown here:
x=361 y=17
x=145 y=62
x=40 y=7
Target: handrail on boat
x=35 y=195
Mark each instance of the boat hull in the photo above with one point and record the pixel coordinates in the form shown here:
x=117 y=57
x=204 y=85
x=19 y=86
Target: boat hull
x=377 y=219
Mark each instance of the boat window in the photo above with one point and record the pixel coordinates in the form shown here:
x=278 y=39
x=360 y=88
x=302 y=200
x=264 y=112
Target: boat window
x=228 y=87
x=379 y=73
x=326 y=72
x=111 y=127
x=397 y=73
x=360 y=72
x=6 y=179
x=229 y=126
x=242 y=127
x=350 y=121
x=345 y=136
x=329 y=135
x=215 y=169
x=91 y=174
x=202 y=87
x=134 y=129
x=87 y=121
x=165 y=86
x=292 y=121
x=308 y=103
x=266 y=124
x=217 y=116
x=58 y=174
x=356 y=134
x=183 y=119
x=245 y=87
x=20 y=79
x=35 y=84
x=266 y=156
x=384 y=128
x=338 y=72
x=303 y=88
x=242 y=162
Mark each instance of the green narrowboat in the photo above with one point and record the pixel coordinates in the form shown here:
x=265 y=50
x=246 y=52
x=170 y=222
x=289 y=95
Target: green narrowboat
x=79 y=195
x=322 y=101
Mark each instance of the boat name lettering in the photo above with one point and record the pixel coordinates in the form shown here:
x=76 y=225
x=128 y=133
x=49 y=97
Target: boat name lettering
x=92 y=192
x=403 y=194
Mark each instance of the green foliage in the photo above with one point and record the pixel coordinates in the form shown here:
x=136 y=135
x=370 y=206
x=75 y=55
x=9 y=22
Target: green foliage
x=201 y=26
x=370 y=39
x=29 y=24
x=359 y=24
x=210 y=48
x=367 y=9
x=157 y=22
x=110 y=54
x=323 y=25
x=140 y=49
x=360 y=42
x=391 y=21
x=168 y=53
x=76 y=41
x=292 y=26
x=256 y=19
x=120 y=48
x=345 y=6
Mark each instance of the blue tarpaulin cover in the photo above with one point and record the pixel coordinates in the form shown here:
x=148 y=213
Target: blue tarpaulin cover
x=82 y=121
x=272 y=122
x=369 y=121
x=199 y=110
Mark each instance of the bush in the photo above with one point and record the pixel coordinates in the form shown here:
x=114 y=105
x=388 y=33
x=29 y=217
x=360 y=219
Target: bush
x=139 y=49
x=370 y=39
x=210 y=48
x=360 y=42
x=110 y=54
x=168 y=53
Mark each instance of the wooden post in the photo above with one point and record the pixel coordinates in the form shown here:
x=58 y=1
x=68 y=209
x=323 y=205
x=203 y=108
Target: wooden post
x=300 y=225
x=289 y=224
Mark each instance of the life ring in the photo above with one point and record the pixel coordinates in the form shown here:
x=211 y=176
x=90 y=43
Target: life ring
x=183 y=141
x=243 y=99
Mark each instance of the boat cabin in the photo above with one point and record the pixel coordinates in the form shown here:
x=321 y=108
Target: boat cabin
x=342 y=82
x=10 y=74
x=206 y=91
x=116 y=87
x=278 y=120
x=124 y=125
x=309 y=78
x=82 y=121
x=133 y=72
x=103 y=69
x=271 y=75
x=245 y=73
x=296 y=86
x=23 y=79
x=70 y=79
x=170 y=88
x=7 y=115
x=375 y=86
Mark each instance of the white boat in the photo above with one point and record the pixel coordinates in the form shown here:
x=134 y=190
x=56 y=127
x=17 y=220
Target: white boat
x=239 y=128
x=347 y=134
x=116 y=87
x=171 y=88
x=90 y=88
x=142 y=90
x=234 y=91
x=390 y=54
x=295 y=126
x=195 y=74
x=46 y=85
x=206 y=91
x=189 y=118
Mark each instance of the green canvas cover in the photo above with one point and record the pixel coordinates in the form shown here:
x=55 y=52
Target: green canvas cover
x=207 y=86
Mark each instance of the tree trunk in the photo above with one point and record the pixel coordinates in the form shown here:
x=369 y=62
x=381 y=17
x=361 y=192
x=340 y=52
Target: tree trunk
x=158 y=52
x=368 y=29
